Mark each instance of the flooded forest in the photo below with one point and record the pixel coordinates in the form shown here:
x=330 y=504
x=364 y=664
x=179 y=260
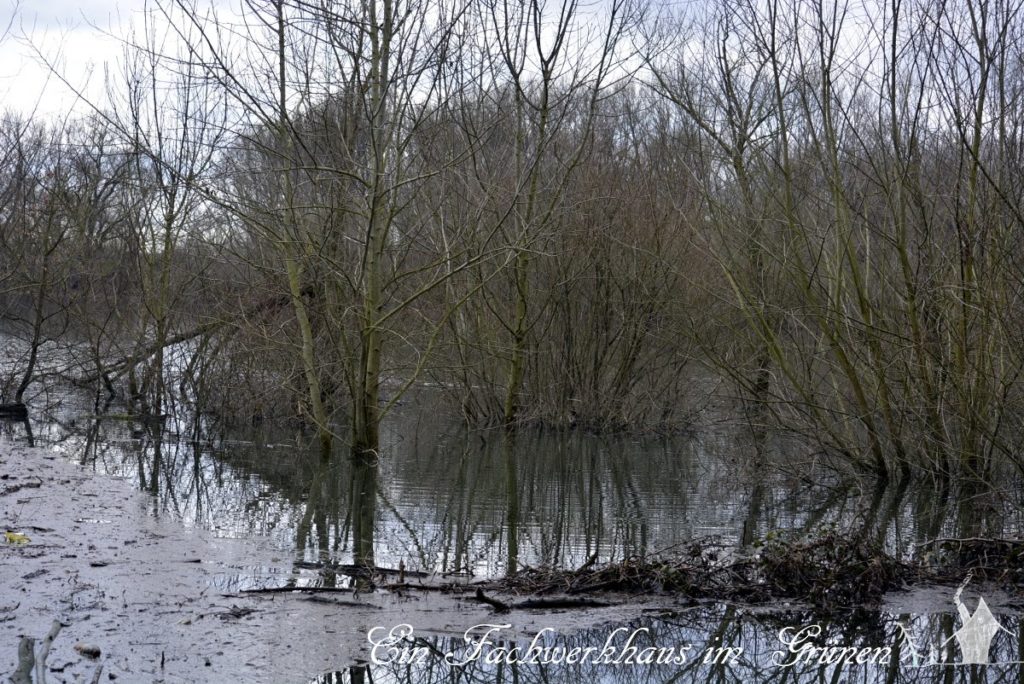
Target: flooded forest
x=693 y=326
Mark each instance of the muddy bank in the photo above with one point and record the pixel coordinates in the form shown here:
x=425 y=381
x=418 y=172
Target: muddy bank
x=163 y=602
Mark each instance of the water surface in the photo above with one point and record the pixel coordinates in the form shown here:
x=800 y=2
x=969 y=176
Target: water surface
x=455 y=502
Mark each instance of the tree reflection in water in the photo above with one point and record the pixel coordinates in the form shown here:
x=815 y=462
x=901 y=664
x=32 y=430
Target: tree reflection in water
x=444 y=499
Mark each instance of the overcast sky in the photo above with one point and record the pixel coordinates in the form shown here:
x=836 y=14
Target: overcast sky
x=70 y=32
x=79 y=38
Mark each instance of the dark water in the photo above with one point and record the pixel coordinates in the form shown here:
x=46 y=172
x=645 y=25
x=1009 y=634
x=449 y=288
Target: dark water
x=444 y=499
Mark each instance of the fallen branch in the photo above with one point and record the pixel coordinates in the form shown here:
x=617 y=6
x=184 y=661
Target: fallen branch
x=26 y=661
x=289 y=590
x=44 y=650
x=18 y=487
x=970 y=540
x=360 y=570
x=558 y=603
x=445 y=588
x=499 y=607
x=315 y=598
x=113 y=370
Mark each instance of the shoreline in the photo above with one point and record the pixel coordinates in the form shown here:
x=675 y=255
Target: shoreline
x=161 y=600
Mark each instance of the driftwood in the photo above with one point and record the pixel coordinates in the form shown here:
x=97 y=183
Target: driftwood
x=499 y=606
x=539 y=603
x=313 y=594
x=30 y=659
x=18 y=487
x=26 y=661
x=829 y=570
x=317 y=598
x=362 y=571
x=289 y=590
x=560 y=604
x=448 y=588
x=971 y=540
x=368 y=570
x=44 y=650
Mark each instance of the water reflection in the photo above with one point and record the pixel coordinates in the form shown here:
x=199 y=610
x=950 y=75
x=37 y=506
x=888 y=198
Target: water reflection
x=512 y=497
x=20 y=428
x=456 y=502
x=442 y=499
x=448 y=500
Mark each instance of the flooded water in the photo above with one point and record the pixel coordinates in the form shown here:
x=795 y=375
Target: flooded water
x=450 y=501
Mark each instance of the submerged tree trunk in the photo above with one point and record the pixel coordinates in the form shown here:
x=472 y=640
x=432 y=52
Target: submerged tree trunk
x=363 y=504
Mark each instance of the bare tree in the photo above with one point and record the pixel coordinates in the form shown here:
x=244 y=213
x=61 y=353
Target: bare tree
x=874 y=281
x=170 y=122
x=332 y=112
x=528 y=121
x=34 y=231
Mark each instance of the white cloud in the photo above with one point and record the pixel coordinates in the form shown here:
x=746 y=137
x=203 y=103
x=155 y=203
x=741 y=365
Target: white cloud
x=77 y=38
